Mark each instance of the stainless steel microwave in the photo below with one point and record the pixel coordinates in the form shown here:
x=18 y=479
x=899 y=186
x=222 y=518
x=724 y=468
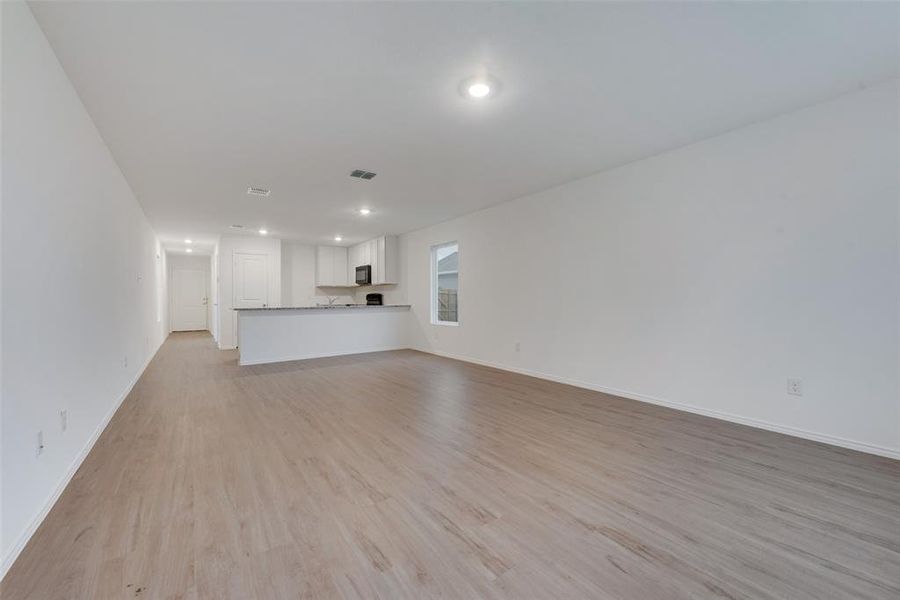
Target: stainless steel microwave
x=364 y=275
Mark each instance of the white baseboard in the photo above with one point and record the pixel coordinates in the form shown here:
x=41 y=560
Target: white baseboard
x=759 y=424
x=17 y=548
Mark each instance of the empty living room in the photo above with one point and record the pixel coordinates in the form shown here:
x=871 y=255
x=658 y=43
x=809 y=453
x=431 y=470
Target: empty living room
x=462 y=300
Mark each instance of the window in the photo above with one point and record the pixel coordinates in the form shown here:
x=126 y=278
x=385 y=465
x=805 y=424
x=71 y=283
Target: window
x=445 y=284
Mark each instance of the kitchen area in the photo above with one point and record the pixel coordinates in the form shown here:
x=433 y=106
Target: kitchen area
x=293 y=301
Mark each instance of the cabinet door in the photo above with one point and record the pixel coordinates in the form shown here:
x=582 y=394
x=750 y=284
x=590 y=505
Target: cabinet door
x=375 y=261
x=387 y=259
x=339 y=266
x=352 y=263
x=324 y=265
x=364 y=254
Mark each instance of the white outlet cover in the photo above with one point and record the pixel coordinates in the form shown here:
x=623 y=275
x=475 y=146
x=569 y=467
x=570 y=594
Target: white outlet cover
x=64 y=419
x=795 y=387
x=40 y=443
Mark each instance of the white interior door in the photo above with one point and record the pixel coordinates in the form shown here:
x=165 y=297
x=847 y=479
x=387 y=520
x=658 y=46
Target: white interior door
x=251 y=280
x=190 y=300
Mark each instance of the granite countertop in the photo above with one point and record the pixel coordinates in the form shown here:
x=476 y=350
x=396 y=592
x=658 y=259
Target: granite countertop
x=329 y=307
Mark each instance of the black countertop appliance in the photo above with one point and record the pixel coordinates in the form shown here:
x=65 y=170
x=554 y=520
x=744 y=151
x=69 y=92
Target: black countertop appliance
x=374 y=299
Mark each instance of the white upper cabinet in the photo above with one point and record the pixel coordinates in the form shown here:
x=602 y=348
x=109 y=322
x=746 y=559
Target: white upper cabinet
x=324 y=265
x=388 y=260
x=381 y=254
x=363 y=256
x=374 y=259
x=339 y=266
x=354 y=260
x=331 y=266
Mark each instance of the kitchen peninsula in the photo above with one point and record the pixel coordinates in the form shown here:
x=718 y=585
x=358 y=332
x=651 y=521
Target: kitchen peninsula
x=267 y=335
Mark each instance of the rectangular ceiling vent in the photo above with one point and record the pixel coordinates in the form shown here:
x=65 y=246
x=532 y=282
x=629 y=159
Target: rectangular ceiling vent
x=362 y=174
x=255 y=191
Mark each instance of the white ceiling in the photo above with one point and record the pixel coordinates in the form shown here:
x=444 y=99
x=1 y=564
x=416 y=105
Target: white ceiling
x=198 y=101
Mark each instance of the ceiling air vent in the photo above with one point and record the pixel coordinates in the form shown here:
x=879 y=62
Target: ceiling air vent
x=362 y=174
x=255 y=191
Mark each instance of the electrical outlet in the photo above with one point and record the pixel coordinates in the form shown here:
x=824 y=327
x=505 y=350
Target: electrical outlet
x=518 y=346
x=63 y=420
x=795 y=387
x=40 y=443
x=126 y=361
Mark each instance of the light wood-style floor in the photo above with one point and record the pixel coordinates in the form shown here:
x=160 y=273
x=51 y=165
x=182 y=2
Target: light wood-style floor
x=404 y=475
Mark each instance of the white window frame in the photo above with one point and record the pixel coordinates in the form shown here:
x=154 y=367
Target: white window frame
x=434 y=286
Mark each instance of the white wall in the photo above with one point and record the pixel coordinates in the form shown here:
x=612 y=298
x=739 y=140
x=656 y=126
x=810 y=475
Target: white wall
x=190 y=262
x=83 y=280
x=703 y=277
x=228 y=245
x=298 y=273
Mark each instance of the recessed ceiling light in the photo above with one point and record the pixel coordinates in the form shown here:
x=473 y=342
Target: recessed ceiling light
x=365 y=211
x=479 y=90
x=188 y=250
x=188 y=241
x=338 y=238
x=479 y=87
x=263 y=231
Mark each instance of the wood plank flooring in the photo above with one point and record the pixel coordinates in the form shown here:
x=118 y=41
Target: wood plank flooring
x=404 y=475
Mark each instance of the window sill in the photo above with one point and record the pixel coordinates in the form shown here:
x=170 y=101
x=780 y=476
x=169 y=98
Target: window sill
x=446 y=323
